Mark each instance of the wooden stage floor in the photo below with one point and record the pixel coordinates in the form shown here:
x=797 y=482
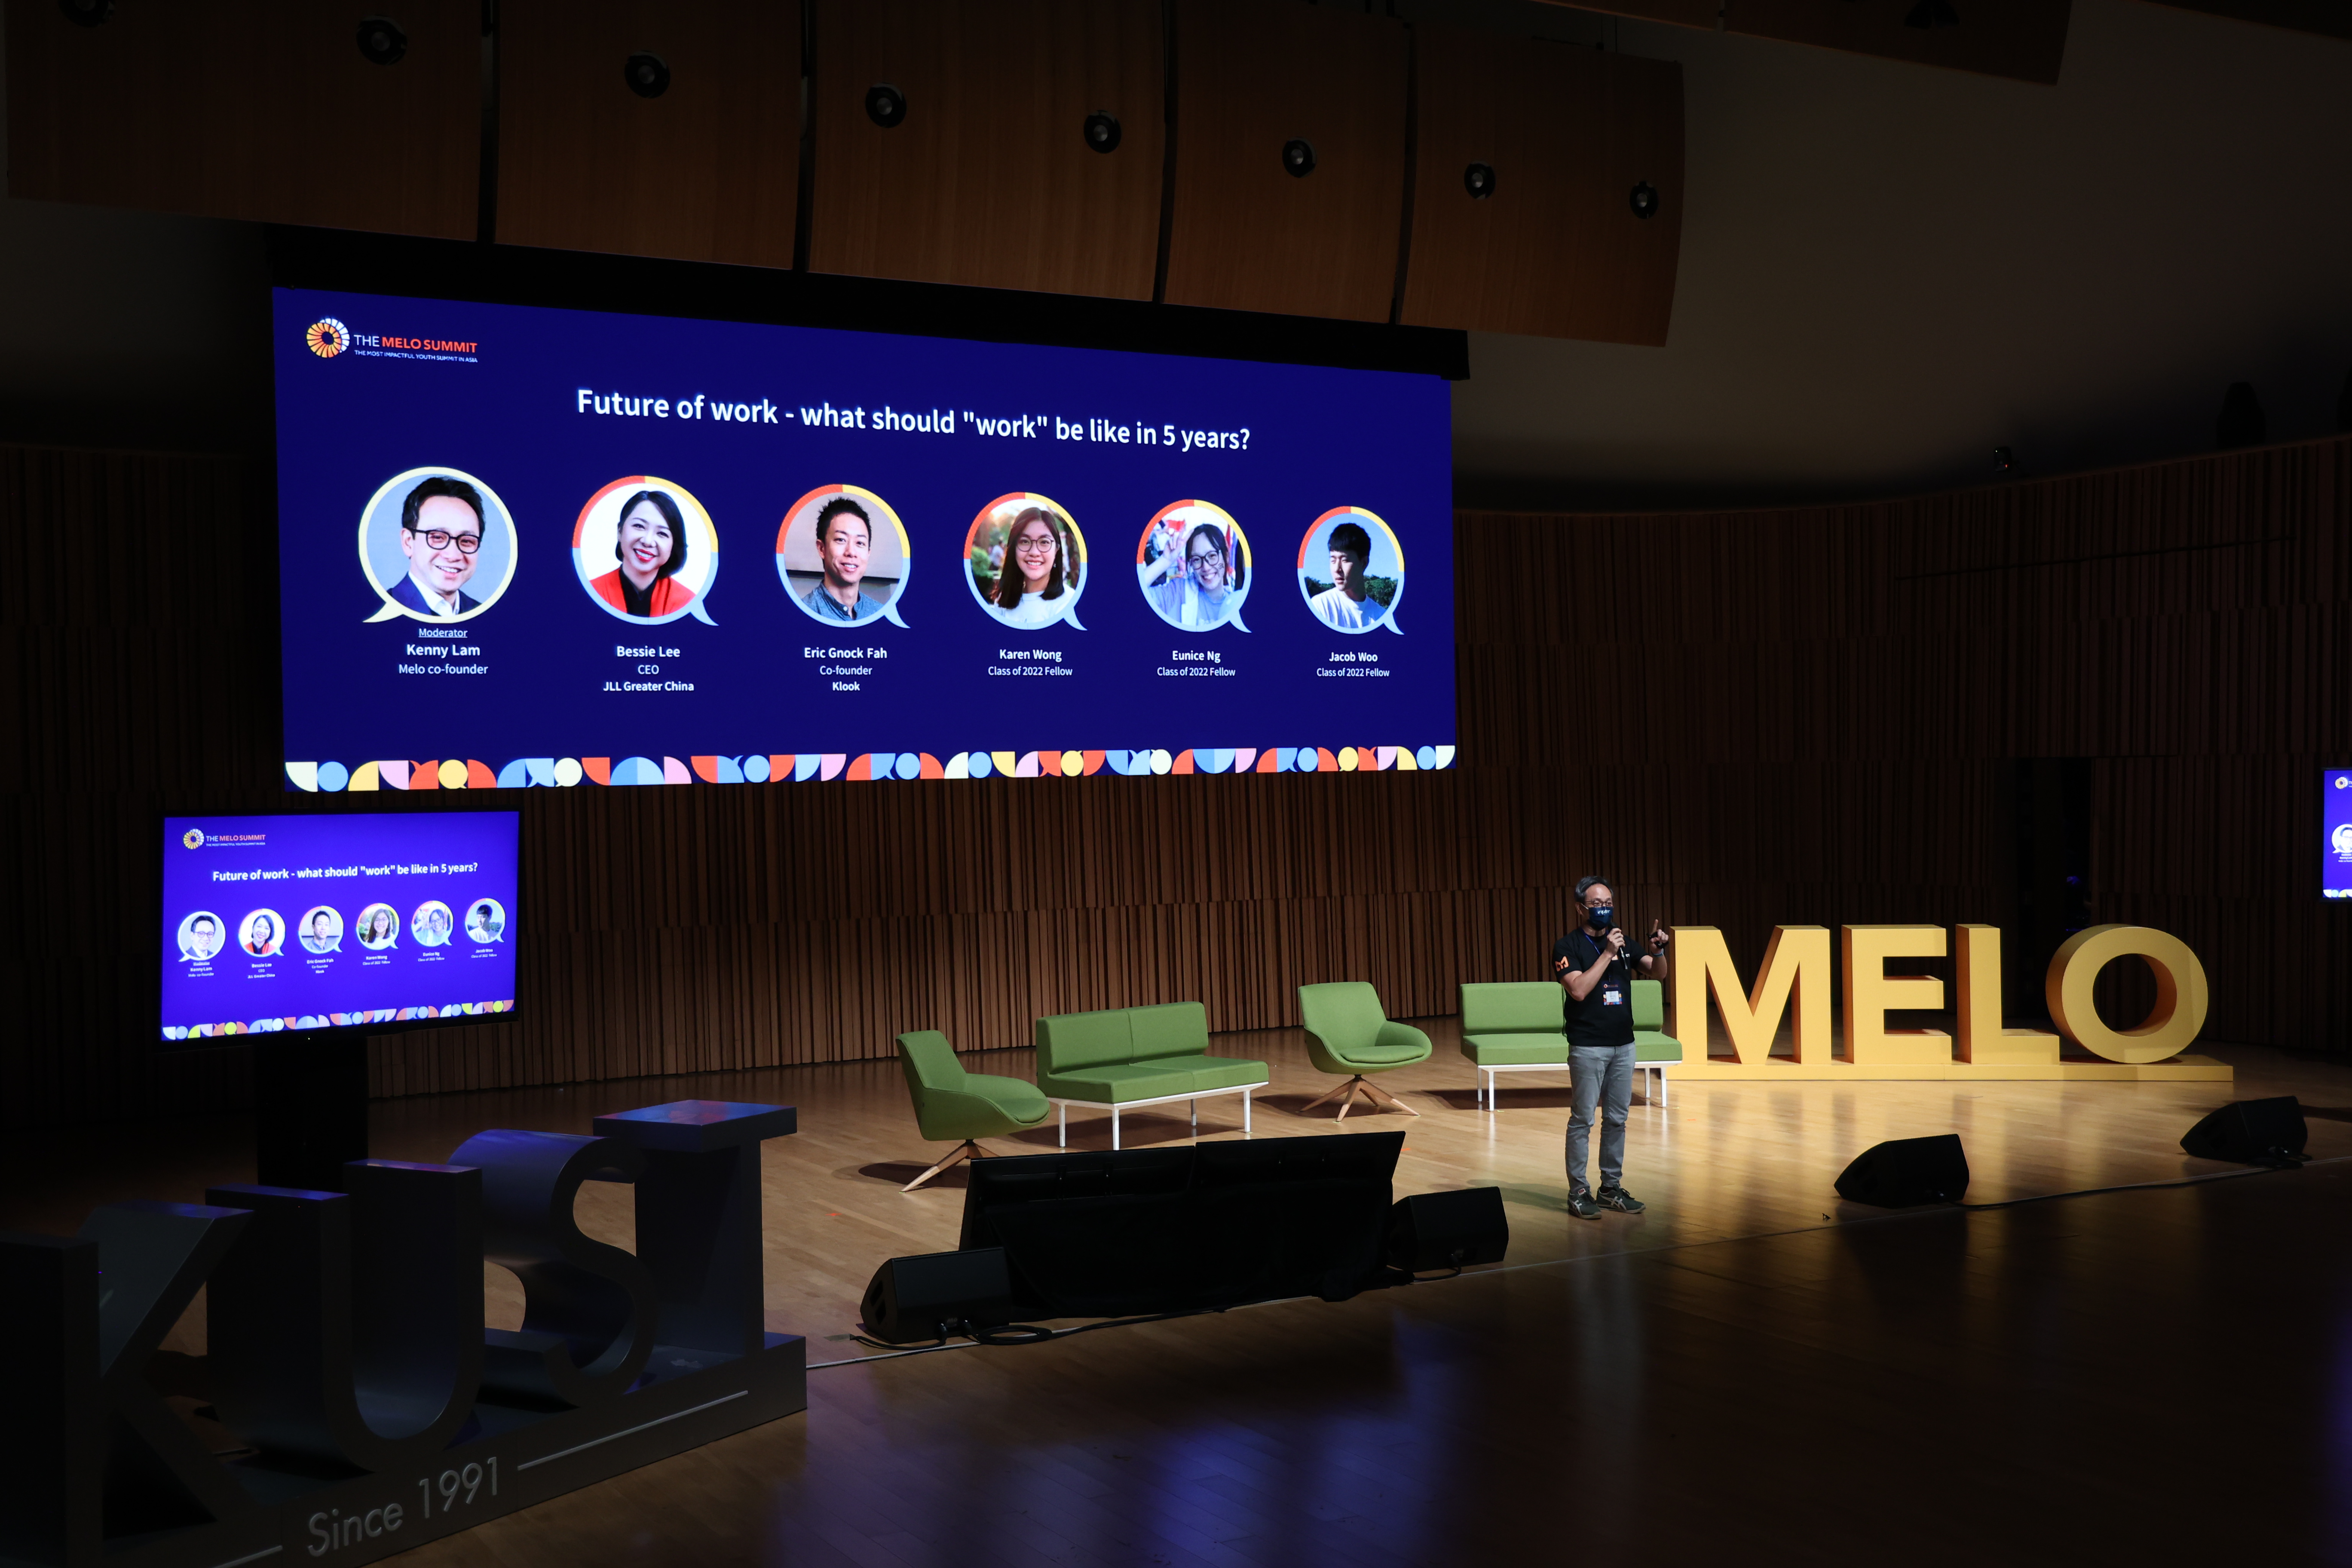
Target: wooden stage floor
x=1751 y=1366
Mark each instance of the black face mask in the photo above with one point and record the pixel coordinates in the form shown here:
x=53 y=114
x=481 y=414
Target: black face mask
x=1600 y=915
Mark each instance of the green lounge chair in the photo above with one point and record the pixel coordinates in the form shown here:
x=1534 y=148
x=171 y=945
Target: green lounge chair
x=952 y=1103
x=1347 y=1032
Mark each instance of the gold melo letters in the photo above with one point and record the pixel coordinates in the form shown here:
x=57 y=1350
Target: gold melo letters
x=1794 y=985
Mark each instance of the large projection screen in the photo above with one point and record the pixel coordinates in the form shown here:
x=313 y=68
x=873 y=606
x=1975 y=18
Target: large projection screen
x=740 y=551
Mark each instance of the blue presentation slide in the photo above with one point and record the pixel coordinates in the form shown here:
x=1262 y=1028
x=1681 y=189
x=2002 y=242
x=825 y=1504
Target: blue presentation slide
x=2336 y=829
x=321 y=923
x=523 y=545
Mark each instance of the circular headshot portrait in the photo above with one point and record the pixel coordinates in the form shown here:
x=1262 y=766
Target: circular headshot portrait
x=436 y=545
x=201 y=937
x=261 y=933
x=843 y=556
x=486 y=920
x=1194 y=565
x=1027 y=561
x=378 y=927
x=1350 y=569
x=320 y=929
x=431 y=924
x=645 y=551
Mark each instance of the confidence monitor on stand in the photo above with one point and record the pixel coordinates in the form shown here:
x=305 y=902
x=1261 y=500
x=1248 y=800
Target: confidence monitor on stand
x=311 y=933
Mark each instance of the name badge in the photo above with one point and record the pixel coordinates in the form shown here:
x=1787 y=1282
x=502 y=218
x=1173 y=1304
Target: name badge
x=1612 y=997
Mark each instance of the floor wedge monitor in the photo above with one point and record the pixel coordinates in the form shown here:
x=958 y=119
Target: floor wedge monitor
x=1448 y=1230
x=1107 y=1233
x=933 y=1295
x=1906 y=1171
x=2251 y=1132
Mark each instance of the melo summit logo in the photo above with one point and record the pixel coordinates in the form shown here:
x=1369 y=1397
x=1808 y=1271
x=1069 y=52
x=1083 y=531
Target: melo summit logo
x=328 y=339
x=193 y=838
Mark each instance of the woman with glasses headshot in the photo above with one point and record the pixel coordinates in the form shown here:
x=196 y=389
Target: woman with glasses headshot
x=378 y=926
x=1033 y=587
x=1197 y=585
x=651 y=547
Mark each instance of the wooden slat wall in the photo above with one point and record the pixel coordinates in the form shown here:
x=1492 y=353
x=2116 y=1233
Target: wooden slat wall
x=988 y=181
x=1557 y=249
x=710 y=170
x=250 y=109
x=1825 y=700
x=1246 y=235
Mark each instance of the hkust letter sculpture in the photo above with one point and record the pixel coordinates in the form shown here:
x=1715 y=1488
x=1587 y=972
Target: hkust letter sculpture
x=357 y=1404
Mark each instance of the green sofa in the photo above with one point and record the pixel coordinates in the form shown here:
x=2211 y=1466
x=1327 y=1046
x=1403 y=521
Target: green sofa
x=1513 y=1026
x=1129 y=1056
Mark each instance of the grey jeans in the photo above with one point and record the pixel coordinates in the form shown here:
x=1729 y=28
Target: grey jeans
x=1602 y=1074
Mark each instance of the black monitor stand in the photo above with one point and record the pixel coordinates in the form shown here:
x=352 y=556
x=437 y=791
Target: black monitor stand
x=310 y=1107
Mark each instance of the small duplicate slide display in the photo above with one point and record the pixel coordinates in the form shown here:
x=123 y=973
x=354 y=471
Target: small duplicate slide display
x=382 y=921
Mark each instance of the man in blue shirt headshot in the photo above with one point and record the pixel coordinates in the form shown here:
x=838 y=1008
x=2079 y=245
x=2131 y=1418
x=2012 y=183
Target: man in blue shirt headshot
x=441 y=535
x=845 y=539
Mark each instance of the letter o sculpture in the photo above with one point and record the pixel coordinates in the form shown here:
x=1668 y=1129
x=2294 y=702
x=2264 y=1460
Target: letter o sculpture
x=2181 y=996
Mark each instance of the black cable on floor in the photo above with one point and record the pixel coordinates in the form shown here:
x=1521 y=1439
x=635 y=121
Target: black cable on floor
x=2292 y=1164
x=1001 y=1335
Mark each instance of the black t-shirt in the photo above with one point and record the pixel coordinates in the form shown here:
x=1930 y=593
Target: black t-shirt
x=1605 y=1017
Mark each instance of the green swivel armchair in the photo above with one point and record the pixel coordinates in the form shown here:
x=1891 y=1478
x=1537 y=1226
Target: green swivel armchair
x=952 y=1103
x=1348 y=1033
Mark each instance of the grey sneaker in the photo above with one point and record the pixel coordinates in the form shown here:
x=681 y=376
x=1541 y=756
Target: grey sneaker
x=1580 y=1204
x=1621 y=1200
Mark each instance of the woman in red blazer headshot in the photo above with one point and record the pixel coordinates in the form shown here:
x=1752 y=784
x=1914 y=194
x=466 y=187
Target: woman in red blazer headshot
x=651 y=548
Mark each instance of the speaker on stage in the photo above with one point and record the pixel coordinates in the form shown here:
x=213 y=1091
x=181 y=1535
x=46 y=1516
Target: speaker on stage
x=2252 y=1133
x=1906 y=1171
x=1448 y=1230
x=933 y=1295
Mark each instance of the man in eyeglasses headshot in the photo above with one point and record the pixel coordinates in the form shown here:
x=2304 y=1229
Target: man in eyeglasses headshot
x=441 y=534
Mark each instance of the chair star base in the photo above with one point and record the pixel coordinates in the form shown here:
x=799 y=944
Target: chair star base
x=1374 y=1095
x=967 y=1149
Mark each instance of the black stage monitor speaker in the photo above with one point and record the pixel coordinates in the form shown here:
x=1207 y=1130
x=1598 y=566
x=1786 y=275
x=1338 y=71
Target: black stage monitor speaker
x=931 y=1296
x=1907 y=1171
x=2251 y=1132
x=1448 y=1230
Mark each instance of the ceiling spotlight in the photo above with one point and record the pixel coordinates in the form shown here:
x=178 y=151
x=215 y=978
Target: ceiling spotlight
x=87 y=12
x=1932 y=14
x=647 y=73
x=1298 y=158
x=885 y=105
x=1478 y=179
x=382 y=41
x=1643 y=200
x=1102 y=130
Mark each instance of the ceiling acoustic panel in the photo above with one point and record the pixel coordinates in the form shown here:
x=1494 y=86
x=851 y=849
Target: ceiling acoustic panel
x=646 y=128
x=1548 y=188
x=1264 y=87
x=2022 y=39
x=279 y=111
x=1001 y=143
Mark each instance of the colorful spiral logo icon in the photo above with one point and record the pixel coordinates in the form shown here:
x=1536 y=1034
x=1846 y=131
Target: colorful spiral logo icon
x=328 y=337
x=193 y=838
